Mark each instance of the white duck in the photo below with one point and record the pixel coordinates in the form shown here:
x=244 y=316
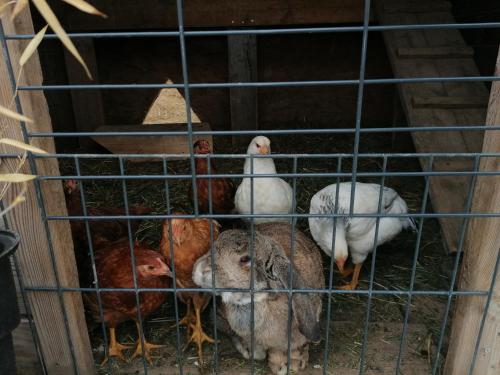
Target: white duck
x=357 y=234
x=272 y=195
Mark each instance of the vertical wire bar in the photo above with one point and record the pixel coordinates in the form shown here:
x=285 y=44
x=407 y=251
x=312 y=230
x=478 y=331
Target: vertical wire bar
x=92 y=259
x=332 y=262
x=485 y=313
x=252 y=272
x=423 y=208
x=212 y=253
x=463 y=231
x=292 y=251
x=359 y=101
x=134 y=270
x=372 y=271
x=185 y=75
x=27 y=307
x=39 y=197
x=172 y=268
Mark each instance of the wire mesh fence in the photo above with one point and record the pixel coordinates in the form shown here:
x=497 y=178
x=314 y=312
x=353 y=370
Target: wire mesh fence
x=342 y=167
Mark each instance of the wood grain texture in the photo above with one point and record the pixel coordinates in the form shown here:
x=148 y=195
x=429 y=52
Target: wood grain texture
x=33 y=254
x=151 y=14
x=27 y=362
x=449 y=102
x=150 y=144
x=242 y=55
x=448 y=194
x=87 y=104
x=482 y=248
x=452 y=52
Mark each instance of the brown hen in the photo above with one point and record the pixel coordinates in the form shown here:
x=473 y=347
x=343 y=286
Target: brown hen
x=222 y=189
x=114 y=270
x=102 y=231
x=191 y=240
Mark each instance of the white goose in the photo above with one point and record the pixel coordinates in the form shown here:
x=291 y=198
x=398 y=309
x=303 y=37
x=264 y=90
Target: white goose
x=272 y=195
x=357 y=234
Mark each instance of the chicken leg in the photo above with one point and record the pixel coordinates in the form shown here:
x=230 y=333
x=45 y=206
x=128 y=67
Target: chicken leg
x=115 y=349
x=189 y=319
x=355 y=277
x=199 y=336
x=147 y=346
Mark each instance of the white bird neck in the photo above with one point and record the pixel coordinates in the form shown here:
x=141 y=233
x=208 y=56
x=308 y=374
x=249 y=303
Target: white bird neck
x=260 y=166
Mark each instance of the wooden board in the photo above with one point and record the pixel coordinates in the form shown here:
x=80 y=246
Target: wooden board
x=242 y=56
x=449 y=102
x=155 y=14
x=481 y=252
x=435 y=52
x=448 y=194
x=150 y=144
x=27 y=361
x=34 y=251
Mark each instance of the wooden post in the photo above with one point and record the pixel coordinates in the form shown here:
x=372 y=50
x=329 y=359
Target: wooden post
x=242 y=54
x=87 y=104
x=34 y=254
x=481 y=252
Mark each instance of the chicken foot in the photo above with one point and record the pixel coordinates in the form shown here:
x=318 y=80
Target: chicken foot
x=199 y=336
x=115 y=349
x=355 y=277
x=147 y=346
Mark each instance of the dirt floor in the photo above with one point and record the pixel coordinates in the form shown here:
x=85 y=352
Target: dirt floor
x=348 y=312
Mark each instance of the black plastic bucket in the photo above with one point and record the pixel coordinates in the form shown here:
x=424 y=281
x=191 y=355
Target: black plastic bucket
x=9 y=311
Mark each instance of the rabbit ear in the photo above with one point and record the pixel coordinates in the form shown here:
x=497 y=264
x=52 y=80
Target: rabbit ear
x=303 y=304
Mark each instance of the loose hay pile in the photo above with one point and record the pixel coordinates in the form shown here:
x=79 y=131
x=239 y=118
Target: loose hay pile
x=348 y=311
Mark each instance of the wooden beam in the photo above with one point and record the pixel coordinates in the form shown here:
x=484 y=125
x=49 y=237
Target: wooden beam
x=177 y=144
x=157 y=14
x=450 y=102
x=87 y=104
x=436 y=52
x=448 y=194
x=481 y=252
x=242 y=54
x=34 y=252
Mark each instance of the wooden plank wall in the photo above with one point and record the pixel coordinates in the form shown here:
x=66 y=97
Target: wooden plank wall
x=427 y=53
x=481 y=253
x=129 y=14
x=33 y=253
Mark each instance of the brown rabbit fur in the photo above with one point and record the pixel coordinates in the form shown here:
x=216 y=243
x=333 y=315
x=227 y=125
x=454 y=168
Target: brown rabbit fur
x=272 y=247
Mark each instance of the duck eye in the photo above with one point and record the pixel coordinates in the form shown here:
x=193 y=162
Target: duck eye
x=244 y=259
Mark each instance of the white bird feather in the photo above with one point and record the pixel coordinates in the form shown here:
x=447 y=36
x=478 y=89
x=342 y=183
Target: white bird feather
x=272 y=195
x=356 y=235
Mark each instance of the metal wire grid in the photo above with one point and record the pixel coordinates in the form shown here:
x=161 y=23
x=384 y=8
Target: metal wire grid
x=355 y=155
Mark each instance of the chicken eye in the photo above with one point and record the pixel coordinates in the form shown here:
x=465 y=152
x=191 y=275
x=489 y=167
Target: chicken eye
x=245 y=259
x=151 y=268
x=258 y=146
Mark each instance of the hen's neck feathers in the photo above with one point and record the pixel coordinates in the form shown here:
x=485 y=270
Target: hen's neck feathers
x=260 y=166
x=202 y=166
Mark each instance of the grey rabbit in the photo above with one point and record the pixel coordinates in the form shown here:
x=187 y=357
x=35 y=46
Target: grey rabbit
x=272 y=247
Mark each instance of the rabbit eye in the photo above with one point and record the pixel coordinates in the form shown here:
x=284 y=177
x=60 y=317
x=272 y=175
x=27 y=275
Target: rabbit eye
x=244 y=259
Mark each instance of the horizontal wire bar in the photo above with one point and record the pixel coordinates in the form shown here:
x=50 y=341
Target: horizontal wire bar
x=345 y=82
x=273 y=156
x=267 y=175
x=265 y=31
x=275 y=216
x=271 y=291
x=405 y=129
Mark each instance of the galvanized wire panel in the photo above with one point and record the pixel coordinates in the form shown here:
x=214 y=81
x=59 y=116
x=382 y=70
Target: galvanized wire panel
x=354 y=175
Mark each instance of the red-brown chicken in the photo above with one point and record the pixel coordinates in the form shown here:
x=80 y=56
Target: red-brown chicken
x=102 y=232
x=222 y=188
x=191 y=240
x=114 y=270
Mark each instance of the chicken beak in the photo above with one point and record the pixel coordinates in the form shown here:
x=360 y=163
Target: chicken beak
x=340 y=264
x=264 y=150
x=166 y=271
